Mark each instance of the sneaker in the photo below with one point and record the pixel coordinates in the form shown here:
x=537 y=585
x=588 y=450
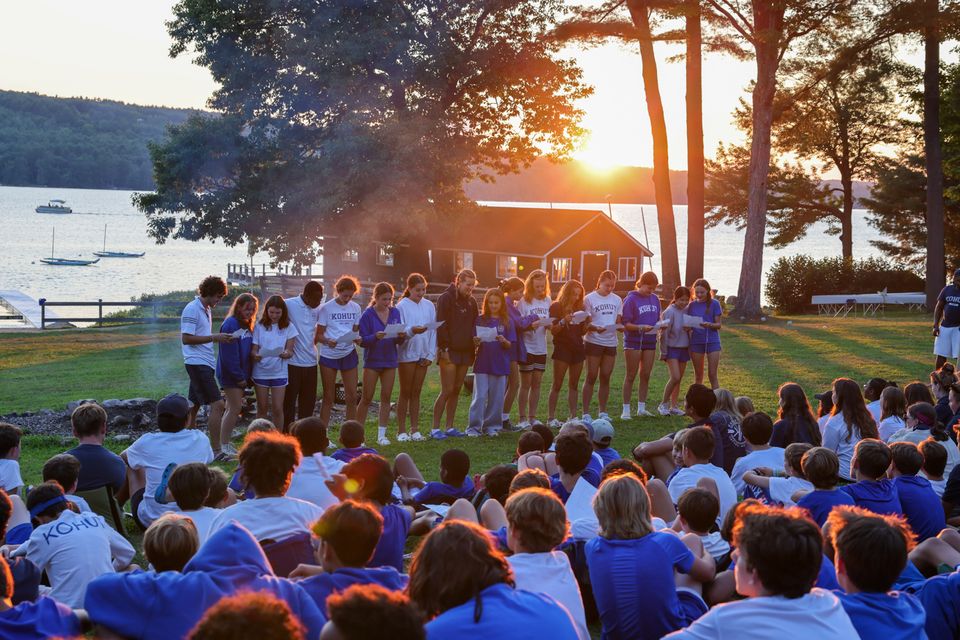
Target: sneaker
x=625 y=415
x=223 y=456
x=674 y=411
x=384 y=441
x=523 y=426
x=403 y=437
x=416 y=436
x=491 y=433
x=473 y=434
x=436 y=434
x=554 y=424
x=507 y=425
x=228 y=448
x=644 y=414
x=453 y=432
x=604 y=415
x=586 y=419
x=663 y=409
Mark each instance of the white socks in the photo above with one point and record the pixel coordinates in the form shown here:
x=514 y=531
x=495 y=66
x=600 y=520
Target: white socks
x=381 y=432
x=626 y=408
x=641 y=407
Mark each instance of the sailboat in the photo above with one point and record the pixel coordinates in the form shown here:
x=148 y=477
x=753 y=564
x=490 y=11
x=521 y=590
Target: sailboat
x=64 y=262
x=115 y=254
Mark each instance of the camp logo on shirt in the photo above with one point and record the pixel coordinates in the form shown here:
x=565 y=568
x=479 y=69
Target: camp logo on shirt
x=61 y=529
x=647 y=308
x=343 y=315
x=604 y=307
x=952 y=301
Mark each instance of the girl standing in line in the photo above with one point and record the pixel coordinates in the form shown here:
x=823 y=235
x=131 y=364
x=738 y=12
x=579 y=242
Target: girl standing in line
x=274 y=331
x=675 y=351
x=535 y=302
x=641 y=312
x=416 y=354
x=379 y=356
x=568 y=349
x=512 y=289
x=458 y=310
x=492 y=366
x=234 y=364
x=850 y=422
x=705 y=340
x=605 y=308
x=338 y=318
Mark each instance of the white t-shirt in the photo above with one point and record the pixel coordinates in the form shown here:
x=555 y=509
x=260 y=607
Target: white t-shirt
x=73 y=550
x=817 y=614
x=10 y=479
x=772 y=458
x=339 y=320
x=782 y=489
x=687 y=478
x=272 y=337
x=875 y=410
x=916 y=436
x=889 y=426
x=422 y=346
x=535 y=341
x=305 y=320
x=203 y=519
x=80 y=502
x=550 y=573
x=715 y=545
x=153 y=452
x=270 y=518
x=603 y=311
x=835 y=438
x=196 y=320
x=309 y=480
x=938 y=485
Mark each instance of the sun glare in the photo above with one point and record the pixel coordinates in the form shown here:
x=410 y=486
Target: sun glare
x=604 y=152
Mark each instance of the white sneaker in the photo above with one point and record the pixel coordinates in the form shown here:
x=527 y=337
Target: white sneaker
x=586 y=419
x=625 y=415
x=384 y=441
x=644 y=414
x=523 y=426
x=554 y=424
x=403 y=437
x=604 y=415
x=228 y=448
x=416 y=437
x=674 y=411
x=663 y=409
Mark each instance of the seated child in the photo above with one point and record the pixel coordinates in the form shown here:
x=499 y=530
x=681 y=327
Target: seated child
x=873 y=490
x=10 y=480
x=351 y=437
x=870 y=551
x=309 y=481
x=574 y=453
x=698 y=445
x=370 y=612
x=72 y=548
x=821 y=467
x=348 y=533
x=545 y=432
x=64 y=469
x=757 y=429
x=99 y=467
x=190 y=485
x=536 y=525
x=170 y=542
x=646 y=583
x=934 y=464
x=26 y=575
x=45 y=618
x=780 y=490
x=249 y=615
x=455 y=481
x=744 y=405
x=260 y=425
x=495 y=485
x=221 y=495
x=778 y=556
x=919 y=502
x=697 y=513
x=602 y=438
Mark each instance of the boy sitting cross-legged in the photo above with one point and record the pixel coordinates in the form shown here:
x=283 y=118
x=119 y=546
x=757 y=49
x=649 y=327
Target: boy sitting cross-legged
x=757 y=429
x=697 y=510
x=920 y=503
x=821 y=467
x=780 y=490
x=698 y=446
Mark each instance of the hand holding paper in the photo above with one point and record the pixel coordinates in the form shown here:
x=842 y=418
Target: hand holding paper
x=546 y=322
x=271 y=353
x=347 y=338
x=487 y=334
x=663 y=324
x=434 y=325
x=579 y=317
x=394 y=330
x=694 y=322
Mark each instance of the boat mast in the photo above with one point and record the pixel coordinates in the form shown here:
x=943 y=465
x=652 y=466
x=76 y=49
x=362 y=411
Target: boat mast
x=53 y=241
x=104 y=238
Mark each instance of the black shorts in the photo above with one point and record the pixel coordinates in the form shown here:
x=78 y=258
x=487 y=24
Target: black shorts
x=599 y=350
x=568 y=354
x=203 y=384
x=460 y=358
x=534 y=363
x=135 y=501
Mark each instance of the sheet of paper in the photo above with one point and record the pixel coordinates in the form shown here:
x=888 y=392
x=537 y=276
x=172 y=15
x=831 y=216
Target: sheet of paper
x=580 y=316
x=270 y=353
x=583 y=520
x=663 y=324
x=546 y=322
x=434 y=325
x=692 y=321
x=610 y=328
x=394 y=330
x=348 y=338
x=487 y=334
x=439 y=509
x=239 y=333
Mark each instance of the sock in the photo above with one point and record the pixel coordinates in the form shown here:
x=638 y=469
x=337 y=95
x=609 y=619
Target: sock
x=641 y=407
x=381 y=432
x=626 y=408
x=504 y=416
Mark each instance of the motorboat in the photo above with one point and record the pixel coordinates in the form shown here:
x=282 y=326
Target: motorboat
x=54 y=206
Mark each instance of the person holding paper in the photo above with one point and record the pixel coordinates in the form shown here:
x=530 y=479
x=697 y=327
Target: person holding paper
x=457 y=309
x=492 y=367
x=705 y=341
x=415 y=354
x=379 y=341
x=641 y=313
x=339 y=317
x=512 y=289
x=535 y=301
x=605 y=309
x=300 y=396
x=234 y=365
x=674 y=350
x=568 y=350
x=274 y=339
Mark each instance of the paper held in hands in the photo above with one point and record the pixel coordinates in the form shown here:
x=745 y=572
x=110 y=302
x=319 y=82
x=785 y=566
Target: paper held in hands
x=239 y=333
x=394 y=330
x=270 y=353
x=663 y=324
x=610 y=328
x=546 y=322
x=694 y=322
x=347 y=338
x=487 y=334
x=433 y=325
x=579 y=506
x=579 y=317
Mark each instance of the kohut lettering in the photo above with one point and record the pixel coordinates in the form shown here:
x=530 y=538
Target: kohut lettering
x=66 y=528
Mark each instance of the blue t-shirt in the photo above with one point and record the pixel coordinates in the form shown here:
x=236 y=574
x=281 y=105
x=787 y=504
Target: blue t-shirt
x=708 y=312
x=921 y=505
x=950 y=297
x=378 y=353
x=321 y=587
x=492 y=358
x=879 y=496
x=939 y=596
x=347 y=455
x=443 y=493
x=99 y=467
x=608 y=454
x=45 y=618
x=640 y=309
x=634 y=587
x=504 y=613
x=821 y=502
x=389 y=551
x=518 y=348
x=890 y=616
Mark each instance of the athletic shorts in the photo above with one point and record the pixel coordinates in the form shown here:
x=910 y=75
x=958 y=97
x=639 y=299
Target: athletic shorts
x=705 y=348
x=643 y=345
x=347 y=362
x=274 y=382
x=599 y=350
x=947 y=344
x=203 y=384
x=692 y=605
x=568 y=354
x=460 y=358
x=681 y=354
x=534 y=363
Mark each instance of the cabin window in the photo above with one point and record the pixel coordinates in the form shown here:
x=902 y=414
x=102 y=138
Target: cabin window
x=351 y=255
x=463 y=260
x=384 y=255
x=562 y=269
x=627 y=269
x=506 y=266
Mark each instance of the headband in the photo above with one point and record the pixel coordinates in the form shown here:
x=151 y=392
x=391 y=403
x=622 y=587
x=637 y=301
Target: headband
x=924 y=419
x=43 y=506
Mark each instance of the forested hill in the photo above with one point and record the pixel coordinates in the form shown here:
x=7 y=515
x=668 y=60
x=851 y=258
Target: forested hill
x=76 y=142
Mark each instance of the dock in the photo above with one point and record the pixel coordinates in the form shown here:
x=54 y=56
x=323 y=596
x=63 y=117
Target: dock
x=16 y=305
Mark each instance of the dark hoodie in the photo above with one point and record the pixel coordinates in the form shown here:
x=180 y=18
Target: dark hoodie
x=458 y=314
x=322 y=586
x=160 y=606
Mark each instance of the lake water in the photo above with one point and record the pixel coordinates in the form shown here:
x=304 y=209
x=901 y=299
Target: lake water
x=181 y=264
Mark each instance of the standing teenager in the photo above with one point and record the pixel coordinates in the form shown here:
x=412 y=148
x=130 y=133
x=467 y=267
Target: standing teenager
x=415 y=354
x=458 y=311
x=339 y=317
x=235 y=365
x=492 y=366
x=641 y=313
x=379 y=356
x=300 y=398
x=705 y=339
x=512 y=289
x=568 y=350
x=274 y=332
x=674 y=350
x=946 y=322
x=535 y=302
x=604 y=307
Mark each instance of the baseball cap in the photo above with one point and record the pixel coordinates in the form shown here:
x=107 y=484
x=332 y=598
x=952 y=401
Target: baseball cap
x=174 y=405
x=826 y=395
x=602 y=431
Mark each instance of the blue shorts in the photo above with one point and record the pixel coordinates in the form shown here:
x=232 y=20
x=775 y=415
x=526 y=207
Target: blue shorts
x=643 y=345
x=275 y=382
x=19 y=534
x=347 y=362
x=681 y=354
x=712 y=347
x=692 y=605
x=203 y=384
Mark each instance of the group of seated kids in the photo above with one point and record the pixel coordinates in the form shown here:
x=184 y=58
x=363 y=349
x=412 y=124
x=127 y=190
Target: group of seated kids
x=739 y=525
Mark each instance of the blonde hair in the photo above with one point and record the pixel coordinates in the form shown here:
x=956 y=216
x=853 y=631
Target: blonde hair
x=528 y=288
x=744 y=405
x=170 y=542
x=623 y=508
x=727 y=404
x=538 y=519
x=260 y=425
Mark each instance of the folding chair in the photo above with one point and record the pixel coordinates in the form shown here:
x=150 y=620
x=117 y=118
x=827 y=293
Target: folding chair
x=103 y=502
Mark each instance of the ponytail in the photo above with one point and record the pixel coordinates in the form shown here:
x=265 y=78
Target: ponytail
x=379 y=290
x=413 y=280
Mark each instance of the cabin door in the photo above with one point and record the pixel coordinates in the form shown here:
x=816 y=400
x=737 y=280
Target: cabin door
x=592 y=263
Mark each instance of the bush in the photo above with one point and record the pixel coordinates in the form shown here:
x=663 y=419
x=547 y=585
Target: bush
x=792 y=281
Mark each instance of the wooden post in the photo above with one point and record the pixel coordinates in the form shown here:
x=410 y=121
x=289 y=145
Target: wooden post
x=100 y=312
x=43 y=313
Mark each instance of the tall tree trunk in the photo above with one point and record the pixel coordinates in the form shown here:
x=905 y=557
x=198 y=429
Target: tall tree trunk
x=846 y=219
x=695 y=159
x=936 y=258
x=669 y=257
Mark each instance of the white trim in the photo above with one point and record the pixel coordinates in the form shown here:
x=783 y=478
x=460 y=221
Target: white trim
x=496 y=253
x=578 y=230
x=592 y=253
x=620 y=260
x=552 y=271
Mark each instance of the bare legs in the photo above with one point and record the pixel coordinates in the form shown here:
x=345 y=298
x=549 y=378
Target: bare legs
x=529 y=397
x=672 y=389
x=370 y=378
x=230 y=416
x=328 y=378
x=598 y=367
x=270 y=401
x=560 y=370
x=451 y=381
x=412 y=375
x=713 y=367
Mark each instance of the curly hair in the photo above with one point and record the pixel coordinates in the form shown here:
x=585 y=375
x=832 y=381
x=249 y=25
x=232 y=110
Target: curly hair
x=268 y=460
x=212 y=286
x=249 y=616
x=372 y=612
